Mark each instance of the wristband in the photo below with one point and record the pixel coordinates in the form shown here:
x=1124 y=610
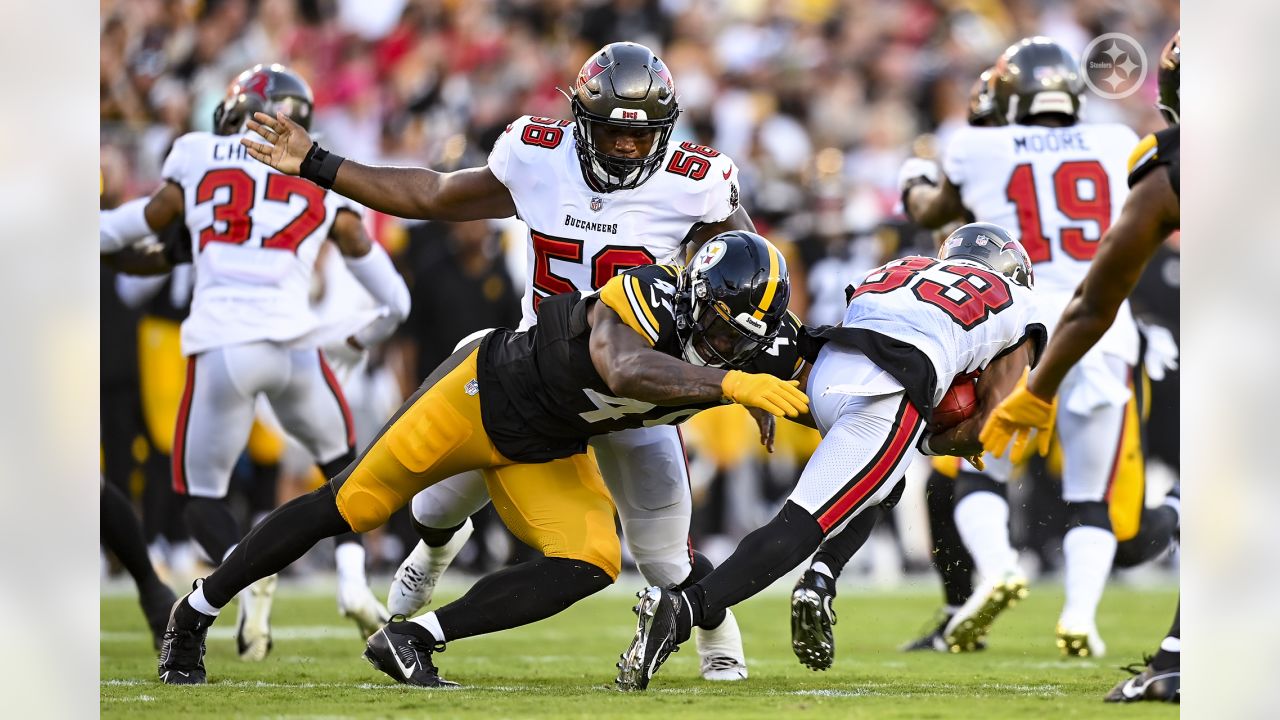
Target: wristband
x=320 y=166
x=923 y=444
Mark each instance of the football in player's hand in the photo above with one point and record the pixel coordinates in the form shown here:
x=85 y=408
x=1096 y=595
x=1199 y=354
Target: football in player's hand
x=958 y=405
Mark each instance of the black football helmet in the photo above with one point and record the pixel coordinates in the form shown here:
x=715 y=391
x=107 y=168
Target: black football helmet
x=991 y=246
x=731 y=299
x=267 y=89
x=1037 y=76
x=1169 y=100
x=982 y=102
x=624 y=85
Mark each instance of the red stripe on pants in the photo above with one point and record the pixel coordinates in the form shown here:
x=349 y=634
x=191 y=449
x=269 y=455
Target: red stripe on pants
x=336 y=389
x=883 y=466
x=180 y=434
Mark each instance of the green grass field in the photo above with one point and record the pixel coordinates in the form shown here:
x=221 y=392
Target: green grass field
x=563 y=667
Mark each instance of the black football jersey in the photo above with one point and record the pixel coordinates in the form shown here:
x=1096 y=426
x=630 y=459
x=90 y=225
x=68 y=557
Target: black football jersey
x=1159 y=149
x=540 y=395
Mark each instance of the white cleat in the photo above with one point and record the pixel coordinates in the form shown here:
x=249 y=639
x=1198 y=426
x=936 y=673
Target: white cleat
x=967 y=629
x=358 y=603
x=721 y=651
x=1080 y=641
x=415 y=581
x=253 y=619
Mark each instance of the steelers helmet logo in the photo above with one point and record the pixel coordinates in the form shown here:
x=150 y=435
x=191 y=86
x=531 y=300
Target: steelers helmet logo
x=1114 y=66
x=709 y=255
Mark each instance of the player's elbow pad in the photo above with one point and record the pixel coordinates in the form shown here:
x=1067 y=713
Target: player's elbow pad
x=378 y=275
x=123 y=226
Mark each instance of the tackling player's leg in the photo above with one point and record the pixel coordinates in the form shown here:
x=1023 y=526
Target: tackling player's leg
x=435 y=434
x=560 y=508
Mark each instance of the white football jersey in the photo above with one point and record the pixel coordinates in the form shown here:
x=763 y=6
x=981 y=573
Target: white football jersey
x=578 y=237
x=960 y=314
x=1056 y=190
x=255 y=234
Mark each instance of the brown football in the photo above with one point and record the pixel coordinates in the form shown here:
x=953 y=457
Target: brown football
x=958 y=405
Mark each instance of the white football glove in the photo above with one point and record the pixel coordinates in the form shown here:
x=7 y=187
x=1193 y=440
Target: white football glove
x=1162 y=350
x=915 y=168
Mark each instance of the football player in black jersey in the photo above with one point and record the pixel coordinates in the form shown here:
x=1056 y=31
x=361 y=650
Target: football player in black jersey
x=654 y=346
x=1150 y=214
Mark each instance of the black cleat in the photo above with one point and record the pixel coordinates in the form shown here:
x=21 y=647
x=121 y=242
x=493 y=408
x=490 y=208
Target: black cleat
x=657 y=636
x=1148 y=684
x=933 y=639
x=811 y=620
x=402 y=650
x=157 y=602
x=182 y=647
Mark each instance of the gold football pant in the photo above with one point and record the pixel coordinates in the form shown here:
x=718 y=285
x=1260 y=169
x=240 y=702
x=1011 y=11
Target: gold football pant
x=560 y=507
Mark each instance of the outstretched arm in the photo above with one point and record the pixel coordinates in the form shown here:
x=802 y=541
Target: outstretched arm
x=633 y=369
x=1150 y=213
x=135 y=220
x=372 y=267
x=415 y=193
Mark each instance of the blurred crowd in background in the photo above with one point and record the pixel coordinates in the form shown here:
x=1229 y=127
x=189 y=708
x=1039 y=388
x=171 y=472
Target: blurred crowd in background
x=818 y=102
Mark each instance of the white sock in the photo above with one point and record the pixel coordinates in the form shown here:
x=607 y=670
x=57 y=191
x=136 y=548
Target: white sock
x=982 y=518
x=821 y=567
x=1171 y=644
x=199 y=604
x=349 y=557
x=432 y=624
x=1089 y=552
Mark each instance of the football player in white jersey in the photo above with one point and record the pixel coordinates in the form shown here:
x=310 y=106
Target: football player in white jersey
x=255 y=235
x=601 y=193
x=1059 y=184
x=1151 y=212
x=910 y=328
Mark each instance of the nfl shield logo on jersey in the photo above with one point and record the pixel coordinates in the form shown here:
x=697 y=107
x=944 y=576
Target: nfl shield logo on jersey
x=597 y=203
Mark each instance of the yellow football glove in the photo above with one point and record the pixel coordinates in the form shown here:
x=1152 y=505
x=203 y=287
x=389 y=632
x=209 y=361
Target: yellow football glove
x=977 y=462
x=773 y=395
x=1016 y=418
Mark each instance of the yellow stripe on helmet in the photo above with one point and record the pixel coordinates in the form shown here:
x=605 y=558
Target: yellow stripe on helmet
x=772 y=288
